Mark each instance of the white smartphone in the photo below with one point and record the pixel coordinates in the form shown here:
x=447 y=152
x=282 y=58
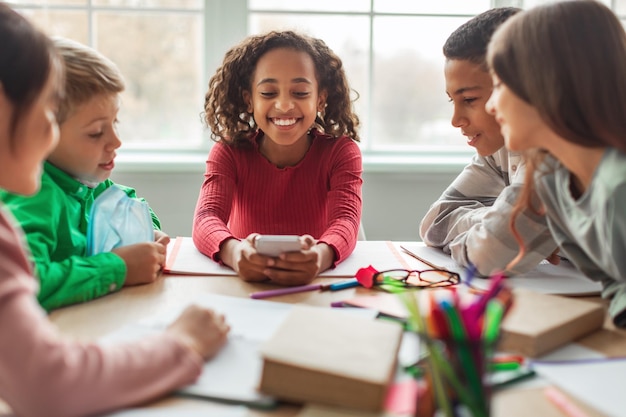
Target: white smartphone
x=274 y=245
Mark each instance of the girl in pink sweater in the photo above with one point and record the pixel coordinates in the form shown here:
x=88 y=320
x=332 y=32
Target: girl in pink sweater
x=286 y=159
x=40 y=373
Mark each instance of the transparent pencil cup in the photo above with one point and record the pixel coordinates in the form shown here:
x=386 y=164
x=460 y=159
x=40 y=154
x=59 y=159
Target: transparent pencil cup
x=456 y=378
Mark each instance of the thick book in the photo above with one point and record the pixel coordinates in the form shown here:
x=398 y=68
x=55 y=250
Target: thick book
x=539 y=323
x=328 y=357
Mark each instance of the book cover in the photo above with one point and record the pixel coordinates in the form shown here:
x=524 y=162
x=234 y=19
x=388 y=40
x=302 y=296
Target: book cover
x=332 y=358
x=538 y=323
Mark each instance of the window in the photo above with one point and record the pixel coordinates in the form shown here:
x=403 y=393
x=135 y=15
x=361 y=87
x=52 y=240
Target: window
x=168 y=50
x=159 y=48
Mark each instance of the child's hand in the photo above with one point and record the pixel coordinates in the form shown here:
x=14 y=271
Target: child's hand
x=161 y=237
x=144 y=262
x=242 y=256
x=554 y=257
x=201 y=330
x=300 y=268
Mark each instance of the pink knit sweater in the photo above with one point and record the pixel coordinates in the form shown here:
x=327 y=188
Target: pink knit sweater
x=41 y=374
x=244 y=193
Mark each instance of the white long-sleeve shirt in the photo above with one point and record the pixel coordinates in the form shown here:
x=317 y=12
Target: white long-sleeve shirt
x=470 y=221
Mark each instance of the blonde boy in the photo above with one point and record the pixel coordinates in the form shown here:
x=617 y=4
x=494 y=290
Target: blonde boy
x=76 y=172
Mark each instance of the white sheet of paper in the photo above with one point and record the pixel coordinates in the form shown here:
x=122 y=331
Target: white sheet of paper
x=234 y=373
x=546 y=278
x=382 y=255
x=599 y=383
x=184 y=258
x=410 y=349
x=571 y=352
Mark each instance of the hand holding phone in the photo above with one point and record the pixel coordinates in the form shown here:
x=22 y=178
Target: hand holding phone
x=274 y=245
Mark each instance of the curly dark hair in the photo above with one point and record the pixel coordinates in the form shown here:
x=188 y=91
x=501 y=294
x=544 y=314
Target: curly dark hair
x=225 y=111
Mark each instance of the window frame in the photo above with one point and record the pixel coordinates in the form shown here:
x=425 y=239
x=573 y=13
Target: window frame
x=219 y=35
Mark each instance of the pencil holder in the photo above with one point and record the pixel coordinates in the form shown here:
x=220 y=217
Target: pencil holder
x=456 y=377
x=459 y=332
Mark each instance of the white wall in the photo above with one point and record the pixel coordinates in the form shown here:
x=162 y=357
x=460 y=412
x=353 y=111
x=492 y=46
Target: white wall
x=393 y=203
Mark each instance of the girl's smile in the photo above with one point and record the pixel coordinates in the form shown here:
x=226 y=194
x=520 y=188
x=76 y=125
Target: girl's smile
x=284 y=99
x=284 y=122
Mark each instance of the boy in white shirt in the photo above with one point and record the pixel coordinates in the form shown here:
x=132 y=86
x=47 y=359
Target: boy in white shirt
x=470 y=220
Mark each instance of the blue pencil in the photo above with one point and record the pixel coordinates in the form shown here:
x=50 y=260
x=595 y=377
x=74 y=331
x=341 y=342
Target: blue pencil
x=351 y=283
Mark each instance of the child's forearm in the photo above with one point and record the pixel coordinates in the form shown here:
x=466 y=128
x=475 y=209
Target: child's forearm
x=229 y=252
x=326 y=254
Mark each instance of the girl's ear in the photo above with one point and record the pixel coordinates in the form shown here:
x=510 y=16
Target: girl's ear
x=321 y=100
x=247 y=98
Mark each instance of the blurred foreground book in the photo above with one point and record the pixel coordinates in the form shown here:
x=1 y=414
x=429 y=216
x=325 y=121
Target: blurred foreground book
x=331 y=358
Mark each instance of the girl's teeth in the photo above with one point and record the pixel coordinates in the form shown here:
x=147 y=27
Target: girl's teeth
x=284 y=122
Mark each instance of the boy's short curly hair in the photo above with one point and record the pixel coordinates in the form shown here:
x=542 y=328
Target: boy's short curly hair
x=225 y=110
x=87 y=73
x=470 y=40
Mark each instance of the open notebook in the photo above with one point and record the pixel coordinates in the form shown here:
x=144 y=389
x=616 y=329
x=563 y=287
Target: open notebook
x=596 y=382
x=233 y=375
x=564 y=279
x=185 y=259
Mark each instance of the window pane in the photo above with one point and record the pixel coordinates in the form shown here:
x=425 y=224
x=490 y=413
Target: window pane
x=318 y=5
x=454 y=7
x=160 y=56
x=159 y=47
x=409 y=103
x=527 y=4
x=69 y=24
x=177 y=4
x=49 y=2
x=347 y=36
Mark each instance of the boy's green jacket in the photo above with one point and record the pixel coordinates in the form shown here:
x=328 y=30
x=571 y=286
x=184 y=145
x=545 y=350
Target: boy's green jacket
x=55 y=223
